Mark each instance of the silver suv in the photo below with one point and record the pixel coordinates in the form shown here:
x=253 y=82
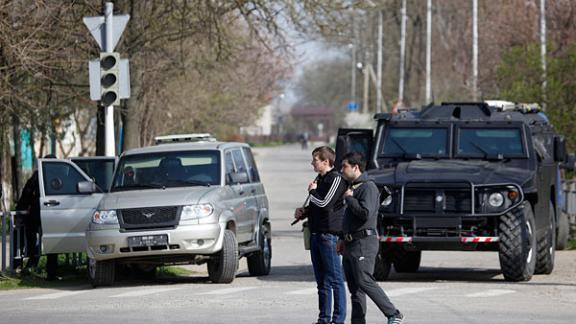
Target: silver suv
x=180 y=203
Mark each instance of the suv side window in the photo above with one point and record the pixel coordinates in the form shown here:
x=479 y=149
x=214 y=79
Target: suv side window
x=229 y=163
x=240 y=165
x=252 y=170
x=60 y=178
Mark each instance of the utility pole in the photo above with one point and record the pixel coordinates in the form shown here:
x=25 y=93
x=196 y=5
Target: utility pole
x=429 y=52
x=402 y=54
x=379 y=63
x=110 y=147
x=353 y=48
x=543 y=50
x=475 y=50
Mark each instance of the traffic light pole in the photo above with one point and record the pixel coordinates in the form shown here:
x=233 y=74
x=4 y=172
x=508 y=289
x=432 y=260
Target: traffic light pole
x=110 y=147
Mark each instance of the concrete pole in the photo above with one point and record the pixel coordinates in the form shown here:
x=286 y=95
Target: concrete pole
x=543 y=50
x=353 y=48
x=379 y=63
x=110 y=147
x=429 y=52
x=475 y=50
x=402 y=54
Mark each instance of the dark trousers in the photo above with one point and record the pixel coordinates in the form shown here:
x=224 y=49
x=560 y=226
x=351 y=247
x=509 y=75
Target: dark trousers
x=329 y=279
x=28 y=244
x=359 y=260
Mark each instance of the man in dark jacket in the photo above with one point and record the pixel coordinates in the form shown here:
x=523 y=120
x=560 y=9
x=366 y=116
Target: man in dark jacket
x=360 y=242
x=324 y=214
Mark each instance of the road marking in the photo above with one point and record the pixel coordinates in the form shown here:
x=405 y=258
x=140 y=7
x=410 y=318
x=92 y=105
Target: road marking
x=307 y=291
x=407 y=291
x=144 y=292
x=226 y=291
x=491 y=293
x=57 y=295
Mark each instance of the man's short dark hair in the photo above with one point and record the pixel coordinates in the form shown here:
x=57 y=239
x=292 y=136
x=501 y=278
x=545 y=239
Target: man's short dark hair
x=325 y=153
x=355 y=158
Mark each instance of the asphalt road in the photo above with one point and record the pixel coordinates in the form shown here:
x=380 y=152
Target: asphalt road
x=452 y=287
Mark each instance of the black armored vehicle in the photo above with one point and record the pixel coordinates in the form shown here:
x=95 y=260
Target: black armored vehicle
x=467 y=177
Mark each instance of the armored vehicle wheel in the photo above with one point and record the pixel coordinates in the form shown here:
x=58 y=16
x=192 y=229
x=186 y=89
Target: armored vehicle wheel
x=382 y=264
x=101 y=273
x=259 y=262
x=518 y=244
x=407 y=261
x=222 y=268
x=547 y=246
x=563 y=231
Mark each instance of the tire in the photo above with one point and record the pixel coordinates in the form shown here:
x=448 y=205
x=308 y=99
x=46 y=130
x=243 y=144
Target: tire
x=517 y=252
x=547 y=246
x=407 y=261
x=259 y=263
x=383 y=264
x=222 y=267
x=563 y=231
x=101 y=273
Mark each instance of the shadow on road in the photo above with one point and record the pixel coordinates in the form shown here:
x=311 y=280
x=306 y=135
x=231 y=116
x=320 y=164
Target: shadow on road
x=301 y=273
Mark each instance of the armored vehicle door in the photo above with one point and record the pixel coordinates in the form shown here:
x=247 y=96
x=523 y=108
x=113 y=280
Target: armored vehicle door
x=353 y=140
x=68 y=199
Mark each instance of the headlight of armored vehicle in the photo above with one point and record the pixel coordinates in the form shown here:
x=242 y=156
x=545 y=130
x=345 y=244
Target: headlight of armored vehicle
x=387 y=194
x=196 y=211
x=105 y=217
x=387 y=201
x=496 y=199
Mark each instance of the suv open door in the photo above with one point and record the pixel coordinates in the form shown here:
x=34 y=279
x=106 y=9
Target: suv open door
x=68 y=199
x=353 y=140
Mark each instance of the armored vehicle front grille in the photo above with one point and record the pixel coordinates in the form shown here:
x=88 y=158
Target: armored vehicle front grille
x=150 y=217
x=437 y=199
x=419 y=201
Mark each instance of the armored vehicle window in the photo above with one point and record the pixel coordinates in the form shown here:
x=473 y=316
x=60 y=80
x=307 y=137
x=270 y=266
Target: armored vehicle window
x=167 y=169
x=484 y=142
x=60 y=179
x=413 y=141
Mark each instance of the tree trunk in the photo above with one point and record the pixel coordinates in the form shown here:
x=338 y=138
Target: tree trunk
x=17 y=158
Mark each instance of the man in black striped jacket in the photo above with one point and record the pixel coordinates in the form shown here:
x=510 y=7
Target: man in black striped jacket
x=325 y=212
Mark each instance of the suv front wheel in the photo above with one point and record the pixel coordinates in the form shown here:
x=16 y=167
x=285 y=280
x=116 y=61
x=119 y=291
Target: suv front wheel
x=101 y=273
x=222 y=267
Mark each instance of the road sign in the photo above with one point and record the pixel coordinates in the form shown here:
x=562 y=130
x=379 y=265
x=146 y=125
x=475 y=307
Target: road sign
x=97 y=27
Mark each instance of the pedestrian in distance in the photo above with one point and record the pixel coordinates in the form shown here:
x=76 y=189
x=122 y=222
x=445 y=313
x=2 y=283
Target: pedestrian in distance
x=359 y=244
x=324 y=212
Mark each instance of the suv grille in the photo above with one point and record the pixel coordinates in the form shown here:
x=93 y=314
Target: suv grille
x=151 y=217
x=421 y=198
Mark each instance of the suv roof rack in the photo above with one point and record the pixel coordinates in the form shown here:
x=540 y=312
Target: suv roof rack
x=195 y=137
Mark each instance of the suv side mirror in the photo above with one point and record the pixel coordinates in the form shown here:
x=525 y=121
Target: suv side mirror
x=559 y=149
x=570 y=163
x=239 y=177
x=86 y=187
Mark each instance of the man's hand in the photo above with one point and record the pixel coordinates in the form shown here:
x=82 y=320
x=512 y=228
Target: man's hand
x=349 y=193
x=313 y=185
x=298 y=213
x=340 y=247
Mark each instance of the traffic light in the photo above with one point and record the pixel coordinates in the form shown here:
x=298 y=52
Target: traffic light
x=109 y=79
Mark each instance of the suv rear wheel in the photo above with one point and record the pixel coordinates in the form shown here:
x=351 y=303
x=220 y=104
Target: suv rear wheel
x=259 y=262
x=222 y=267
x=518 y=244
x=101 y=273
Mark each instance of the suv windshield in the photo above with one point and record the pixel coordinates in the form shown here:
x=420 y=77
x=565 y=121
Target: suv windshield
x=483 y=142
x=416 y=141
x=167 y=169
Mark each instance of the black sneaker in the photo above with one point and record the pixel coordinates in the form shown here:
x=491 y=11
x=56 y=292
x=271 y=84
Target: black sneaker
x=396 y=319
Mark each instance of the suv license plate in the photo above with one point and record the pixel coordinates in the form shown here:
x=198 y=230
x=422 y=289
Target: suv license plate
x=148 y=240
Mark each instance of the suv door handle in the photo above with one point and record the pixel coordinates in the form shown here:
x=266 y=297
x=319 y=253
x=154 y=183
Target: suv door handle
x=51 y=203
x=253 y=191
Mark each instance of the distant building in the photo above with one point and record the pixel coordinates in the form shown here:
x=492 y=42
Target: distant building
x=262 y=126
x=317 y=121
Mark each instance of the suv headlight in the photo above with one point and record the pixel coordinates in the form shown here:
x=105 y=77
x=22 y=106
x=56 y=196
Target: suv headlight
x=196 y=211
x=105 y=217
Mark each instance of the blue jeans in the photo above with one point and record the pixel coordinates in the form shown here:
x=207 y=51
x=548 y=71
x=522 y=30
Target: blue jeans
x=329 y=279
